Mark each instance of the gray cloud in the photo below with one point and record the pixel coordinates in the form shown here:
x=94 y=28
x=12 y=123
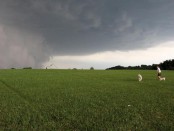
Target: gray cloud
x=21 y=49
x=34 y=30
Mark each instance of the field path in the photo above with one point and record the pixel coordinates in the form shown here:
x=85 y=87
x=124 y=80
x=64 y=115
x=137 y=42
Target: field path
x=27 y=100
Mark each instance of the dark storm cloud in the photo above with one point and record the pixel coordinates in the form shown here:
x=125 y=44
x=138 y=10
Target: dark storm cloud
x=72 y=27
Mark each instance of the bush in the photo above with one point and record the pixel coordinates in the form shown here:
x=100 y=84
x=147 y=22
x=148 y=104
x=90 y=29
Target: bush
x=27 y=68
x=92 y=68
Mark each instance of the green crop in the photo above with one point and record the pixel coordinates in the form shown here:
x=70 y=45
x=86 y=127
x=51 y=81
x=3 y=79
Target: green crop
x=86 y=100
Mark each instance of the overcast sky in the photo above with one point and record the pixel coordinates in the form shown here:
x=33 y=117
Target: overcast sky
x=85 y=33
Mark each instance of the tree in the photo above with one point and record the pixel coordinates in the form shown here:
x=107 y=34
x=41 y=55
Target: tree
x=92 y=68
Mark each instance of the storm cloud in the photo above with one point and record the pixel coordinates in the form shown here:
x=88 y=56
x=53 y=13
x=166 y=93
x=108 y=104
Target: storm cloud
x=32 y=31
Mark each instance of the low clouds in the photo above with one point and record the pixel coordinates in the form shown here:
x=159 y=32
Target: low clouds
x=103 y=60
x=21 y=49
x=32 y=31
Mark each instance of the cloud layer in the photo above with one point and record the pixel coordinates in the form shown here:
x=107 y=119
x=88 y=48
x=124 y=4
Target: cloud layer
x=32 y=31
x=103 y=60
x=21 y=49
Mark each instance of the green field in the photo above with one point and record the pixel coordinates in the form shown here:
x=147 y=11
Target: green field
x=85 y=100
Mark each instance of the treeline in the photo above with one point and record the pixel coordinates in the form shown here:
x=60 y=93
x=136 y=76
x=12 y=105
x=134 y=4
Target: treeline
x=23 y=68
x=166 y=65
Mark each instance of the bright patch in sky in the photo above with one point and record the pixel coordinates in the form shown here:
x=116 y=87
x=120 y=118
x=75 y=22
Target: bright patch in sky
x=107 y=59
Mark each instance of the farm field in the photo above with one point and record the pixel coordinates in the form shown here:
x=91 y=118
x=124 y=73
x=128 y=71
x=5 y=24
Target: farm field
x=86 y=100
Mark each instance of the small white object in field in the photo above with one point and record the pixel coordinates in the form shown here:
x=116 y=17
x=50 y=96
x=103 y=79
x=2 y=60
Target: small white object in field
x=163 y=78
x=140 y=78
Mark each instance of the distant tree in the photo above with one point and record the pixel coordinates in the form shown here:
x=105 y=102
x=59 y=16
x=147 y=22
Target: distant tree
x=118 y=67
x=166 y=65
x=154 y=66
x=27 y=68
x=91 y=68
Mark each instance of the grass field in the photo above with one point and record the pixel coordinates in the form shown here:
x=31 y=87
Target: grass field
x=85 y=100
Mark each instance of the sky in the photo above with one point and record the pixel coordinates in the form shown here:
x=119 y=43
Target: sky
x=66 y=34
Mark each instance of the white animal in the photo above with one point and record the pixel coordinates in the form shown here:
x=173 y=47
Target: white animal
x=140 y=78
x=162 y=78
